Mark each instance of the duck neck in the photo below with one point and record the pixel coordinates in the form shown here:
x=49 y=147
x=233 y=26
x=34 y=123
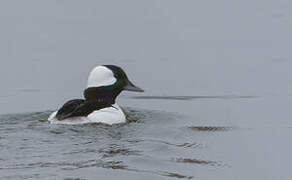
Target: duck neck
x=106 y=94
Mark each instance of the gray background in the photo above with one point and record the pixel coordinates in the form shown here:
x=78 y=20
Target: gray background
x=169 y=48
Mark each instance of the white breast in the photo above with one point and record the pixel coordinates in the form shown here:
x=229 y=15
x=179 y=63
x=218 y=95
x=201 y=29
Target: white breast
x=110 y=115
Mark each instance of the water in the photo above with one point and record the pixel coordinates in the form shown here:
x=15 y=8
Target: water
x=138 y=147
x=153 y=144
x=218 y=87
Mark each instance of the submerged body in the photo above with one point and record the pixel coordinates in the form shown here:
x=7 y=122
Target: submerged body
x=105 y=83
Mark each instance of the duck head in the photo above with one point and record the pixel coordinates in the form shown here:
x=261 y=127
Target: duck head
x=107 y=82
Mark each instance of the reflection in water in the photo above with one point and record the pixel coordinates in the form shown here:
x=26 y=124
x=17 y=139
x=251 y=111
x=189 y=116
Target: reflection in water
x=192 y=97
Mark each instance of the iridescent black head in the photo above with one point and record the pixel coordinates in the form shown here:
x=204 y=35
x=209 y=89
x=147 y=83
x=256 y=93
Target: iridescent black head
x=108 y=81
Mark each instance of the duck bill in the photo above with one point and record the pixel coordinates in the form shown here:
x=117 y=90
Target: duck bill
x=131 y=87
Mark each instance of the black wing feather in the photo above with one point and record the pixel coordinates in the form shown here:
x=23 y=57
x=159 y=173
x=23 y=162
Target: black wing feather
x=66 y=110
x=80 y=107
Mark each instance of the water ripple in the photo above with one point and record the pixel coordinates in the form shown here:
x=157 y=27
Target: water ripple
x=211 y=128
x=185 y=98
x=114 y=150
x=184 y=145
x=197 y=161
x=29 y=143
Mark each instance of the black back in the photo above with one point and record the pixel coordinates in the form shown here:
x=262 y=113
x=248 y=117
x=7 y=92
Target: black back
x=80 y=107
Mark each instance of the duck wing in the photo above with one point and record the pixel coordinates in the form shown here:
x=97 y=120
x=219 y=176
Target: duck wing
x=80 y=107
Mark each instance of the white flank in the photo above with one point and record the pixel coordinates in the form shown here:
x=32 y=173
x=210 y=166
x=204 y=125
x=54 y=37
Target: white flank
x=100 y=76
x=111 y=115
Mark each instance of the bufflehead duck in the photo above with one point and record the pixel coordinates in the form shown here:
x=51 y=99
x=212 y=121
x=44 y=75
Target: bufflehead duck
x=105 y=83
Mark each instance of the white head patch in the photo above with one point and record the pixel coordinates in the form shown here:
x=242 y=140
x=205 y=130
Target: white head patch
x=101 y=76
